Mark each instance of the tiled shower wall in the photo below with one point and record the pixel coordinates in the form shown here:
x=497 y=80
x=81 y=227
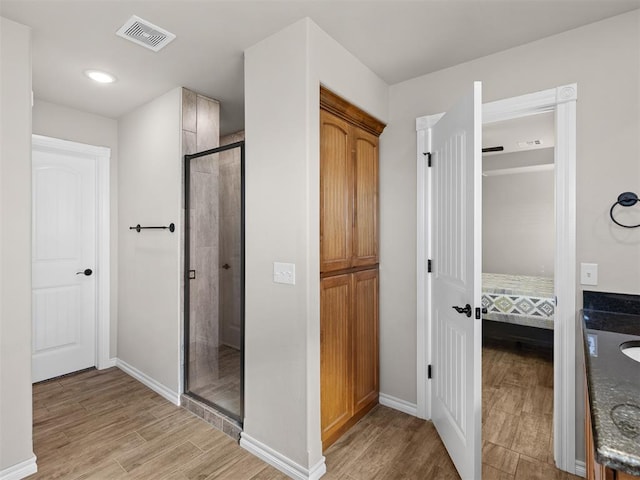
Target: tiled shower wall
x=201 y=131
x=230 y=245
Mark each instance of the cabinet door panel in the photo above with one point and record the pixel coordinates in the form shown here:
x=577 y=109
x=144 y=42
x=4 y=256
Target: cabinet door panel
x=335 y=353
x=336 y=193
x=365 y=243
x=365 y=338
x=625 y=476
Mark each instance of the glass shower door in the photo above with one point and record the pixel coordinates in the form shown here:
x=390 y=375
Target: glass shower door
x=214 y=284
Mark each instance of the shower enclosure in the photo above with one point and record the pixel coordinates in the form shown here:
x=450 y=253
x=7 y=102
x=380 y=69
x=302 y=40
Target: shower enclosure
x=214 y=278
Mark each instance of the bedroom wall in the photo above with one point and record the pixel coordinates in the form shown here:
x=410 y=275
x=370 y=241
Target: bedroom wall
x=16 y=448
x=518 y=219
x=67 y=123
x=608 y=149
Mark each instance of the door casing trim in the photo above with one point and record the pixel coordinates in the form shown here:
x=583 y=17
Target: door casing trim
x=561 y=100
x=102 y=157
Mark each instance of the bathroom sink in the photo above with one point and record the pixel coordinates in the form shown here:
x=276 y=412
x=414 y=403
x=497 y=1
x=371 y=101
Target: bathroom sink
x=631 y=350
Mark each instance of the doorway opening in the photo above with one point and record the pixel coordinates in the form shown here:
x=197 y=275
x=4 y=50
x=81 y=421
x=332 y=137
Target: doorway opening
x=214 y=279
x=518 y=243
x=562 y=102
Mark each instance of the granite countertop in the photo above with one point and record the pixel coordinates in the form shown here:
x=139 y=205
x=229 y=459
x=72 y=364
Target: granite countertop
x=613 y=379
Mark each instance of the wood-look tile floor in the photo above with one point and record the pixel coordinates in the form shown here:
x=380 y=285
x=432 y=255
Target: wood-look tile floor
x=215 y=376
x=104 y=425
x=517 y=414
x=517 y=430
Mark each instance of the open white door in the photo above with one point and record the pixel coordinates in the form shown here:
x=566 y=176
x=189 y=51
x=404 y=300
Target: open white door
x=456 y=221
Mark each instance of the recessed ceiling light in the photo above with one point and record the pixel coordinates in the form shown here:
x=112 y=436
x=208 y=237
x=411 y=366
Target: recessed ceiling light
x=100 y=77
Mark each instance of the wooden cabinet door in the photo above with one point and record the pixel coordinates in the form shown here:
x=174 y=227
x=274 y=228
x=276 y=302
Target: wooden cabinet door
x=365 y=241
x=336 y=193
x=336 y=391
x=365 y=339
x=625 y=476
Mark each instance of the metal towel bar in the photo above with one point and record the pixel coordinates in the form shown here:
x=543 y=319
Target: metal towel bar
x=171 y=228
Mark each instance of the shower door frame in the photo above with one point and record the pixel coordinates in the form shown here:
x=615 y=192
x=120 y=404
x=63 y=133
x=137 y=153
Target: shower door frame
x=187 y=288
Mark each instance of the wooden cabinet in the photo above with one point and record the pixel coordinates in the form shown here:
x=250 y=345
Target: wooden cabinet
x=336 y=363
x=365 y=339
x=625 y=476
x=348 y=265
x=365 y=195
x=348 y=350
x=336 y=194
x=348 y=195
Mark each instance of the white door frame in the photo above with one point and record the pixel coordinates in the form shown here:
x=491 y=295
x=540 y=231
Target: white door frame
x=102 y=157
x=561 y=100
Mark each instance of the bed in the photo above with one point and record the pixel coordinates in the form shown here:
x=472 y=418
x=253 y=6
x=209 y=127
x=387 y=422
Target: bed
x=519 y=308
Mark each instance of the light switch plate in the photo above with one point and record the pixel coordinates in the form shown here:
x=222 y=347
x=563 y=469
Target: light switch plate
x=284 y=273
x=589 y=273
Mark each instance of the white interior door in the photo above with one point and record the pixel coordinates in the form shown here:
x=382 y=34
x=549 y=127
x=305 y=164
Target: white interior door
x=63 y=260
x=456 y=275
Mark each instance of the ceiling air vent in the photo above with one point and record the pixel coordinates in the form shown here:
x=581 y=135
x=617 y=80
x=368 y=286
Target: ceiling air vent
x=145 y=33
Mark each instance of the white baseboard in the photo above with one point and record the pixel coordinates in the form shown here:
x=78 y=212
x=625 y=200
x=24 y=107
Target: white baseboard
x=279 y=461
x=398 y=404
x=581 y=469
x=20 y=470
x=145 y=379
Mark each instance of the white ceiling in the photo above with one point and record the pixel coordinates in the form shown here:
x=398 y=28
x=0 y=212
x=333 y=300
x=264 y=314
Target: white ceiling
x=396 y=39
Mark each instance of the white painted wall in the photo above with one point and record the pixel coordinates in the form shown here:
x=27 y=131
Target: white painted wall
x=282 y=335
x=518 y=223
x=15 y=247
x=67 y=123
x=149 y=270
x=604 y=59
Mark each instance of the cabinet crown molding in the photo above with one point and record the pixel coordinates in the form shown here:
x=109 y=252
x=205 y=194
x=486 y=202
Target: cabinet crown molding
x=339 y=106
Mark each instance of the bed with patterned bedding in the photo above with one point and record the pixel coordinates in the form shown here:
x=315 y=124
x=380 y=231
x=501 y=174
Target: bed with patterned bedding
x=519 y=300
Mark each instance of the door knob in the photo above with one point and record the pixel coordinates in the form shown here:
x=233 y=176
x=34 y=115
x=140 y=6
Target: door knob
x=86 y=272
x=226 y=266
x=466 y=310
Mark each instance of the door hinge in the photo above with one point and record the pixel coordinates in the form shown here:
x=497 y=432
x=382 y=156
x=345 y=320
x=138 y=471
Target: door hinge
x=428 y=371
x=428 y=155
x=429 y=266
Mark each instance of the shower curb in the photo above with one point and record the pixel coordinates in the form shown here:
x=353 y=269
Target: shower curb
x=214 y=418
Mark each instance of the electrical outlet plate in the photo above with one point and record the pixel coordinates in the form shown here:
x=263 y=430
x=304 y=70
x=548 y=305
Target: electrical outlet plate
x=589 y=273
x=284 y=273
